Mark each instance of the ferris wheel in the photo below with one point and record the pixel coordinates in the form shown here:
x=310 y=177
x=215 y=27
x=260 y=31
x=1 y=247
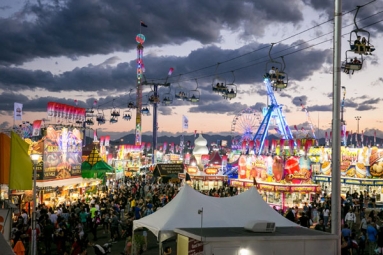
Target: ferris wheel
x=244 y=125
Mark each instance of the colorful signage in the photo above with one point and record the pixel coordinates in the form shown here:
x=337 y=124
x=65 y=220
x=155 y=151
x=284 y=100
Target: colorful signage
x=211 y=170
x=62 y=153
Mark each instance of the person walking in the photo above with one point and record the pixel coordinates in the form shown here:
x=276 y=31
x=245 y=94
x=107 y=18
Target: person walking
x=350 y=219
x=371 y=237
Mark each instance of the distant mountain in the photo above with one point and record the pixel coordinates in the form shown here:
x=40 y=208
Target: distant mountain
x=129 y=139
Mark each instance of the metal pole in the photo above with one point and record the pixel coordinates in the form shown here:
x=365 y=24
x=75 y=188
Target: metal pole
x=155 y=90
x=34 y=241
x=336 y=126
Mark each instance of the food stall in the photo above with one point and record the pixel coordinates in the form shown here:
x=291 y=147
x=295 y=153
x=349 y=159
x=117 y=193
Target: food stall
x=361 y=170
x=283 y=177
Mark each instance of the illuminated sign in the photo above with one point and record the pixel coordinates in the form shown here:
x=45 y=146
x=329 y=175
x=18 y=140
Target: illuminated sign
x=62 y=154
x=266 y=187
x=282 y=188
x=211 y=170
x=303 y=189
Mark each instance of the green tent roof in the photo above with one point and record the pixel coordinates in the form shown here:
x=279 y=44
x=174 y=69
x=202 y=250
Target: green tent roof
x=102 y=166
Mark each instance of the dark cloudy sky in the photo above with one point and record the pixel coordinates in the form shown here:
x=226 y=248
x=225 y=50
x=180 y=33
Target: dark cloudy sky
x=85 y=50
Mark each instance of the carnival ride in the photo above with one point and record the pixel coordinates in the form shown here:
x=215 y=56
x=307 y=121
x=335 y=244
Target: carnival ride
x=194 y=95
x=359 y=45
x=278 y=78
x=180 y=93
x=304 y=108
x=231 y=89
x=274 y=110
x=244 y=125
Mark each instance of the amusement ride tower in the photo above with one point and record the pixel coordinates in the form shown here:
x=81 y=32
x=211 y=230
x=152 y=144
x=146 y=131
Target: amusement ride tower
x=140 y=39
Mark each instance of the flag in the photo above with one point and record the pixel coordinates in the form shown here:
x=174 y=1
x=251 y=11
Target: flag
x=36 y=131
x=21 y=164
x=17 y=111
x=143 y=24
x=185 y=122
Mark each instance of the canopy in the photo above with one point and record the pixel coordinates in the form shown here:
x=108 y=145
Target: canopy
x=236 y=211
x=95 y=167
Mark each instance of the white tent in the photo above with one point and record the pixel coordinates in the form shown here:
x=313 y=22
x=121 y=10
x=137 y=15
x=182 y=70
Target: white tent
x=236 y=211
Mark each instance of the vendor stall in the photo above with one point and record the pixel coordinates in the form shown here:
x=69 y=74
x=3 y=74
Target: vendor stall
x=284 y=181
x=361 y=170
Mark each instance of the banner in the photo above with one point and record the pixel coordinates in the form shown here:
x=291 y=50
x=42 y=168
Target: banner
x=107 y=140
x=21 y=166
x=36 y=128
x=17 y=111
x=62 y=153
x=185 y=122
x=102 y=139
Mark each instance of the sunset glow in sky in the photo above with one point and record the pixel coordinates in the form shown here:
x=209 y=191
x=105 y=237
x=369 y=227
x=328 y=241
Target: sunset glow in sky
x=86 y=50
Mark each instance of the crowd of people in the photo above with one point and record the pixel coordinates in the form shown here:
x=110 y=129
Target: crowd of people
x=362 y=232
x=70 y=228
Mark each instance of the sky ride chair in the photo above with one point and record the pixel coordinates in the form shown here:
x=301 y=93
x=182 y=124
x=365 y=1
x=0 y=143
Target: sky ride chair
x=219 y=84
x=131 y=101
x=194 y=95
x=352 y=64
x=231 y=89
x=126 y=115
x=89 y=121
x=145 y=107
x=179 y=92
x=357 y=44
x=100 y=118
x=167 y=98
x=153 y=99
x=275 y=72
x=114 y=113
x=113 y=120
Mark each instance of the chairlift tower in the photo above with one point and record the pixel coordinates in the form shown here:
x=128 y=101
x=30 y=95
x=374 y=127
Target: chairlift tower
x=274 y=109
x=155 y=107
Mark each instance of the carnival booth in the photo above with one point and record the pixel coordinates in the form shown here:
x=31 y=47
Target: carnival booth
x=205 y=171
x=59 y=177
x=361 y=170
x=130 y=158
x=283 y=177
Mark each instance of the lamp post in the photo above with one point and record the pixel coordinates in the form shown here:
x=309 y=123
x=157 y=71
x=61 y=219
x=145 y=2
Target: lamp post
x=35 y=157
x=357 y=120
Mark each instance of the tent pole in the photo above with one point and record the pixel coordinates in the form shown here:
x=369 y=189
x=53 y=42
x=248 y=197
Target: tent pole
x=132 y=249
x=160 y=243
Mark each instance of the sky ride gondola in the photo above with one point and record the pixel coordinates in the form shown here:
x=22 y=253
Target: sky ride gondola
x=114 y=113
x=89 y=121
x=360 y=39
x=352 y=64
x=131 y=101
x=127 y=115
x=167 y=98
x=275 y=71
x=231 y=89
x=194 y=95
x=219 y=84
x=153 y=99
x=179 y=92
x=113 y=120
x=145 y=108
x=100 y=118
